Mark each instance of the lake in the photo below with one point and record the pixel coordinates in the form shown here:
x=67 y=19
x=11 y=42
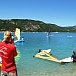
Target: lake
x=62 y=44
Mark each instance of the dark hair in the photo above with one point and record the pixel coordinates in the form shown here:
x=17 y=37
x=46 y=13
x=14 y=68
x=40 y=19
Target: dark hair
x=39 y=50
x=74 y=52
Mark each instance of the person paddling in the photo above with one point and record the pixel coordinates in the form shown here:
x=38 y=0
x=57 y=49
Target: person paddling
x=46 y=51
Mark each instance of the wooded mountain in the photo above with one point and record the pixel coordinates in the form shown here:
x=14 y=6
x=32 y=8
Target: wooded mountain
x=32 y=26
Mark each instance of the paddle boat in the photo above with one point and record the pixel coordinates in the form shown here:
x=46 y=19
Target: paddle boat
x=17 y=36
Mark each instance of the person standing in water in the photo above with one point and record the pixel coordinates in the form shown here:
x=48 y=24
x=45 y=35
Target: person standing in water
x=7 y=53
x=74 y=56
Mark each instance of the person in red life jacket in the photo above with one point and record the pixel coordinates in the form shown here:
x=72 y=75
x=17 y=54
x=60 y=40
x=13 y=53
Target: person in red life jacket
x=7 y=53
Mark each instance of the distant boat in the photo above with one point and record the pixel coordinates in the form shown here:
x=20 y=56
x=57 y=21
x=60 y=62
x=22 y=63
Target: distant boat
x=55 y=32
x=69 y=36
x=17 y=34
x=48 y=33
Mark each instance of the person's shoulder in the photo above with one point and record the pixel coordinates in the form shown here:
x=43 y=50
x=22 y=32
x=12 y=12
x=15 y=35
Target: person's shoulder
x=12 y=45
x=2 y=42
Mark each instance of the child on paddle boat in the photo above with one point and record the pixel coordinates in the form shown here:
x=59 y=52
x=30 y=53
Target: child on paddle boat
x=46 y=51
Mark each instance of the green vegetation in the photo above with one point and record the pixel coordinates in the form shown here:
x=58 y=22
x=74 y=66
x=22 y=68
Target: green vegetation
x=32 y=26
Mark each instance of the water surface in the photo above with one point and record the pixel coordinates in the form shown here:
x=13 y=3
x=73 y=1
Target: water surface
x=61 y=47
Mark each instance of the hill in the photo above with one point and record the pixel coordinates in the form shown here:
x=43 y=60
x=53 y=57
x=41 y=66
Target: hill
x=32 y=26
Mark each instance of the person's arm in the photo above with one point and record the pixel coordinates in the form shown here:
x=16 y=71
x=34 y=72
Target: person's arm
x=1 y=53
x=15 y=51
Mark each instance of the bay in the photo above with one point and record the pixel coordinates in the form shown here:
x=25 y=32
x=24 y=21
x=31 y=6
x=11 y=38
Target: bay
x=61 y=47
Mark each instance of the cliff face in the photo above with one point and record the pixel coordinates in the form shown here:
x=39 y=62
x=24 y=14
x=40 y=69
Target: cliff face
x=32 y=25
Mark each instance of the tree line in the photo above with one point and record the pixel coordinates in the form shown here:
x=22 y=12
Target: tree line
x=26 y=25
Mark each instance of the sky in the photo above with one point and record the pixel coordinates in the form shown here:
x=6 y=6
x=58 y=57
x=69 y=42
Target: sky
x=59 y=12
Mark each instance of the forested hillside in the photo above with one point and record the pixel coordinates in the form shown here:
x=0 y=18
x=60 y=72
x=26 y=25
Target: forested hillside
x=32 y=26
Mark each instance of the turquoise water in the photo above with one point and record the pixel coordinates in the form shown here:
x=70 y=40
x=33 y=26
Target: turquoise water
x=61 y=47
